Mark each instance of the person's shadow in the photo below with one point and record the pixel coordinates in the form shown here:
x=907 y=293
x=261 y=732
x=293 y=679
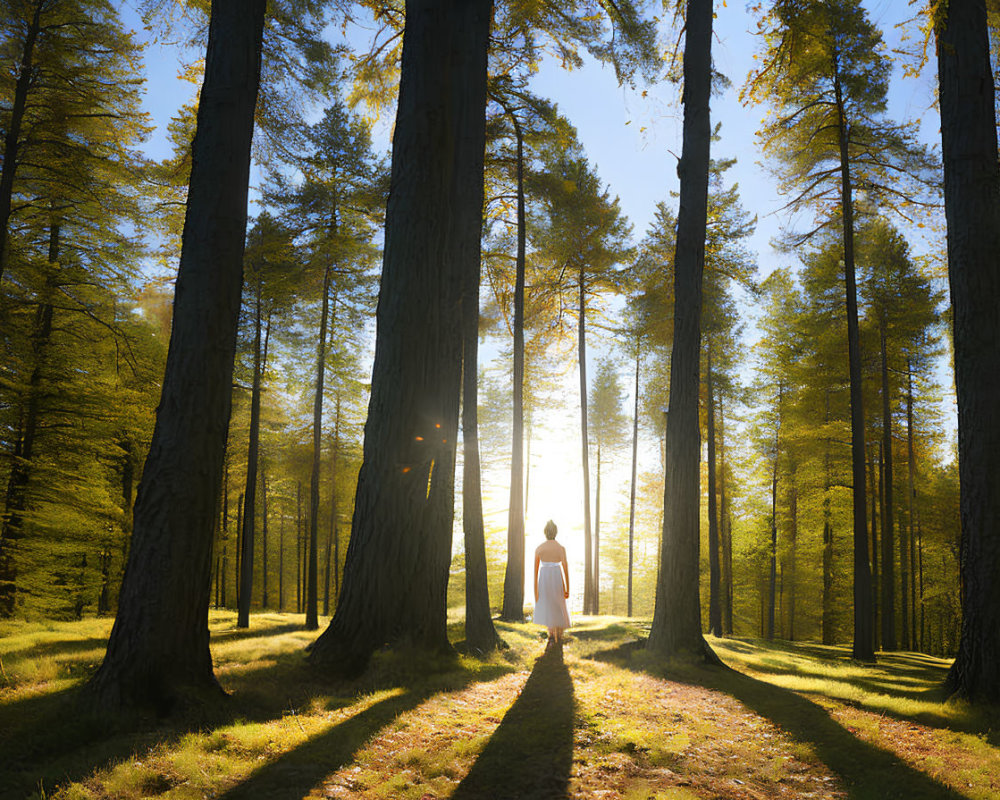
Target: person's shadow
x=530 y=754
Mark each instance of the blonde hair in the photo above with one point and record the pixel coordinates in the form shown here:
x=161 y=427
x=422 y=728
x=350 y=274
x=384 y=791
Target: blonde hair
x=550 y=530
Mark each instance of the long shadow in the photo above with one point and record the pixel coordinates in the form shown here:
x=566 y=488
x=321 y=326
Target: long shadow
x=45 y=740
x=868 y=772
x=60 y=647
x=302 y=769
x=530 y=754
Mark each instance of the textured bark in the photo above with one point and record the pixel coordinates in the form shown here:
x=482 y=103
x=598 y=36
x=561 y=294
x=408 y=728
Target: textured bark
x=158 y=651
x=312 y=573
x=632 y=486
x=589 y=599
x=714 y=565
x=513 y=582
x=863 y=646
x=972 y=209
x=676 y=627
x=396 y=573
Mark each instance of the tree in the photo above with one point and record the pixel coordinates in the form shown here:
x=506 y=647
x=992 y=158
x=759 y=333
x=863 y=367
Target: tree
x=608 y=425
x=825 y=75
x=581 y=237
x=158 y=649
x=395 y=576
x=972 y=209
x=676 y=627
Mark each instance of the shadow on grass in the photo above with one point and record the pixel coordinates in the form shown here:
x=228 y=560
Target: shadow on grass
x=531 y=752
x=58 y=648
x=46 y=741
x=300 y=770
x=868 y=772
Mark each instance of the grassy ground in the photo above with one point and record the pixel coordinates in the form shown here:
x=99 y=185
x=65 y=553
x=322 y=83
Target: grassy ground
x=599 y=719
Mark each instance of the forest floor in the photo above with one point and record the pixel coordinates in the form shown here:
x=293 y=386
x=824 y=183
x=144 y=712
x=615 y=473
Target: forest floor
x=597 y=719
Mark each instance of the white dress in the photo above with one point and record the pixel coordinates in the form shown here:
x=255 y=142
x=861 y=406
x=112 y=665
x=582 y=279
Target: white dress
x=550 y=610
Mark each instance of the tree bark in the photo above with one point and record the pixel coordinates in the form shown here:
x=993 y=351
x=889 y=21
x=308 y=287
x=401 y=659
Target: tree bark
x=972 y=209
x=158 y=652
x=863 y=646
x=396 y=573
x=513 y=583
x=676 y=627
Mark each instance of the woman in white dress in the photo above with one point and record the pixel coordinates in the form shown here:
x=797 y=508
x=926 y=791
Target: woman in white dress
x=551 y=585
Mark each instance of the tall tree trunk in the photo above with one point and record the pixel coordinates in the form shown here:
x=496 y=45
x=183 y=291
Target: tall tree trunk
x=828 y=609
x=864 y=646
x=632 y=485
x=299 y=551
x=158 y=650
x=239 y=548
x=12 y=138
x=16 y=503
x=513 y=582
x=281 y=562
x=480 y=634
x=676 y=627
x=253 y=459
x=334 y=499
x=773 y=556
x=265 y=601
x=312 y=575
x=874 y=491
x=714 y=565
x=912 y=506
x=589 y=601
x=793 y=537
x=396 y=574
x=597 y=535
x=726 y=528
x=972 y=209
x=888 y=527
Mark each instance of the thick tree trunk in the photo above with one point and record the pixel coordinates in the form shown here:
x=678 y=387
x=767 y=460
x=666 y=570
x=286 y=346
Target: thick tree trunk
x=864 y=645
x=396 y=574
x=676 y=628
x=16 y=502
x=632 y=485
x=480 y=634
x=714 y=565
x=589 y=600
x=972 y=209
x=888 y=528
x=12 y=138
x=158 y=651
x=312 y=574
x=513 y=582
x=253 y=460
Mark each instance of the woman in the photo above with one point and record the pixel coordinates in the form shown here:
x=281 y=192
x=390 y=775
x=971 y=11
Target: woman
x=551 y=585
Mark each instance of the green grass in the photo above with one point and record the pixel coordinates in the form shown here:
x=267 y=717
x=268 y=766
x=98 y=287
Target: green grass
x=601 y=719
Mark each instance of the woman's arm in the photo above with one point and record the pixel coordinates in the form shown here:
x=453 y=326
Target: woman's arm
x=565 y=567
x=537 y=559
